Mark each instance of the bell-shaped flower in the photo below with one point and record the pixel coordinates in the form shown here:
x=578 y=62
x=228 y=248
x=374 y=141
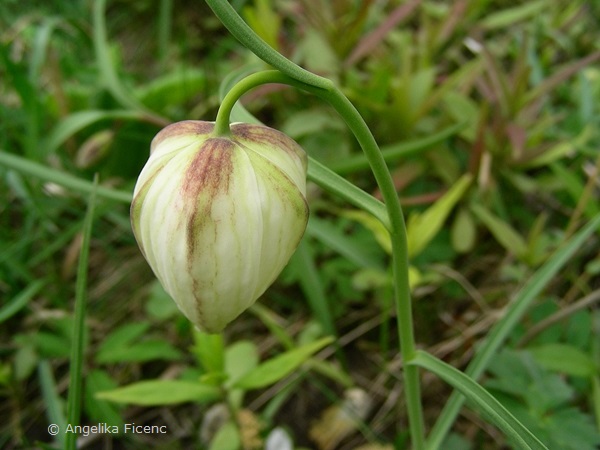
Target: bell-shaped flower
x=218 y=217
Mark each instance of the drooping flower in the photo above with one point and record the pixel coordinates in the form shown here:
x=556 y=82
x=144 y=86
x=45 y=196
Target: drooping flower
x=218 y=217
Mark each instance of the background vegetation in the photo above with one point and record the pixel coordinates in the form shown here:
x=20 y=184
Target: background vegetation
x=488 y=115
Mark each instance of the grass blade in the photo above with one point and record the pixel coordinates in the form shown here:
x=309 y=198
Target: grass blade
x=497 y=413
x=78 y=343
x=393 y=152
x=52 y=401
x=20 y=301
x=64 y=179
x=500 y=331
x=312 y=286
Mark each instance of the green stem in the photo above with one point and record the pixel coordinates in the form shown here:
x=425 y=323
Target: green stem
x=243 y=33
x=399 y=259
x=296 y=76
x=243 y=86
x=395 y=216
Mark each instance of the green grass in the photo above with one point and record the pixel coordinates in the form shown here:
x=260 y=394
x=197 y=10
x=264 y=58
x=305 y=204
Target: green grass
x=504 y=96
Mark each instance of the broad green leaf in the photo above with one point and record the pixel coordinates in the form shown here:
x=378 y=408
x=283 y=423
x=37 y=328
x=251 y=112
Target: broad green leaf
x=473 y=391
x=98 y=410
x=308 y=122
x=227 y=438
x=464 y=231
x=160 y=306
x=77 y=121
x=317 y=53
x=422 y=228
x=502 y=231
x=565 y=358
x=147 y=350
x=51 y=345
x=264 y=21
x=570 y=429
x=596 y=399
x=162 y=392
x=280 y=366
x=464 y=110
x=173 y=88
x=240 y=358
x=123 y=336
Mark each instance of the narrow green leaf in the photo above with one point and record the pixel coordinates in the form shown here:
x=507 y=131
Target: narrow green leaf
x=473 y=391
x=312 y=285
x=506 y=235
x=422 y=228
x=335 y=184
x=342 y=243
x=509 y=16
x=106 y=65
x=61 y=178
x=20 y=301
x=380 y=232
x=562 y=149
x=40 y=47
x=499 y=332
x=53 y=403
x=79 y=328
x=276 y=329
x=77 y=121
x=391 y=153
x=280 y=366
x=162 y=392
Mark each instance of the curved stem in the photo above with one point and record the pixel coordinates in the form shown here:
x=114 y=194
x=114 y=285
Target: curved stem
x=238 y=28
x=296 y=76
x=243 y=86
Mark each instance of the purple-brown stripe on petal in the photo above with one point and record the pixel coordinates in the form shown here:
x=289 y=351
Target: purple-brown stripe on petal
x=186 y=127
x=209 y=174
x=260 y=134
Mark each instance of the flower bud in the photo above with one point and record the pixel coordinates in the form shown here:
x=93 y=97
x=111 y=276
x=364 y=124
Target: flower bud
x=218 y=217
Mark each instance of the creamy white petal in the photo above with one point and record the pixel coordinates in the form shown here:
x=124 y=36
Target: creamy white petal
x=218 y=218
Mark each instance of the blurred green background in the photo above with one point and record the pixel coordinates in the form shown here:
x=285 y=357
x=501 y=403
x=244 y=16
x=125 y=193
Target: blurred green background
x=488 y=115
